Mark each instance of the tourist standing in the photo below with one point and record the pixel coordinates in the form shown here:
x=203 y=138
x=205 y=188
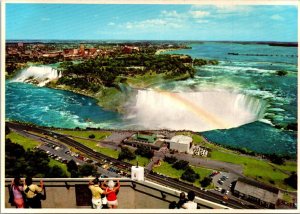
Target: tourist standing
x=182 y=200
x=111 y=193
x=33 y=193
x=96 y=193
x=17 y=189
x=190 y=204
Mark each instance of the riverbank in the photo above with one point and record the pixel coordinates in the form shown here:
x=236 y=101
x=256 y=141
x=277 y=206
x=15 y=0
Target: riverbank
x=113 y=98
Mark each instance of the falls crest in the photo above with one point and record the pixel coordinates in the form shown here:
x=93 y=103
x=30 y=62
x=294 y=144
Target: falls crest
x=196 y=111
x=40 y=75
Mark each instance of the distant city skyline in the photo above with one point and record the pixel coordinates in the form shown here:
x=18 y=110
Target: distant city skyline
x=151 y=22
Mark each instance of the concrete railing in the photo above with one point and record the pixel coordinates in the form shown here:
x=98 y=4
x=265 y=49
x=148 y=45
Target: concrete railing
x=73 y=193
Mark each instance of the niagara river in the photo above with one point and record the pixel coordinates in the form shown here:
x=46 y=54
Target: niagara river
x=241 y=102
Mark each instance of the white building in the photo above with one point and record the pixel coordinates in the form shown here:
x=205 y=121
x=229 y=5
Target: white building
x=181 y=143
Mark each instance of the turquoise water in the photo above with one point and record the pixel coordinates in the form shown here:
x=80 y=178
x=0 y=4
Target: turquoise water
x=249 y=75
x=57 y=108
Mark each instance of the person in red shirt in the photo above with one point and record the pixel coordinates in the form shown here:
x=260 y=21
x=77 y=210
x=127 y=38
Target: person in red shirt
x=110 y=191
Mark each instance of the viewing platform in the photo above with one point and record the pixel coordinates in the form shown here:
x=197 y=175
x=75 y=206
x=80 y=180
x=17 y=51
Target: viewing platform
x=73 y=193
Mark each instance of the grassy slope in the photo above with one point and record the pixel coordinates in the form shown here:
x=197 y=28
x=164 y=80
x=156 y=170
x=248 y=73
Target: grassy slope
x=103 y=150
x=166 y=169
x=261 y=170
x=59 y=164
x=142 y=161
x=99 y=135
x=27 y=143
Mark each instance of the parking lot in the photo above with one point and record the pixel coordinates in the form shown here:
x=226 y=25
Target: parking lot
x=223 y=182
x=62 y=154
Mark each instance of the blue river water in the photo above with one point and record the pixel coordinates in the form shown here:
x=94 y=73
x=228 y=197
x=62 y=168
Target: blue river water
x=249 y=74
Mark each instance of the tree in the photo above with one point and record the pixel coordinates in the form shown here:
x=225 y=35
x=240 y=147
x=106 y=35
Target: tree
x=206 y=181
x=170 y=159
x=144 y=151
x=72 y=166
x=87 y=170
x=181 y=164
x=56 y=172
x=126 y=154
x=92 y=136
x=190 y=175
x=292 y=180
x=276 y=159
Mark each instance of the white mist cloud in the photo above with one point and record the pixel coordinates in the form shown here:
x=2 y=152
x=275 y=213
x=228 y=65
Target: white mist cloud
x=153 y=23
x=277 y=17
x=199 y=13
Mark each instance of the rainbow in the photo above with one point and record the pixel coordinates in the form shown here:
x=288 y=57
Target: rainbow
x=196 y=109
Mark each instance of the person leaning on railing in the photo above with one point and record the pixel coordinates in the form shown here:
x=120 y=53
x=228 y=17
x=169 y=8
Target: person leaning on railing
x=111 y=193
x=16 y=194
x=33 y=193
x=96 y=193
x=190 y=204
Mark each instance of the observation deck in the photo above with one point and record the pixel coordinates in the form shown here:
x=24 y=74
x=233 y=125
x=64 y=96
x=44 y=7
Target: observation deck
x=73 y=193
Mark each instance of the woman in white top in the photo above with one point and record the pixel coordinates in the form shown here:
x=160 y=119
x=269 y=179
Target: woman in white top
x=190 y=204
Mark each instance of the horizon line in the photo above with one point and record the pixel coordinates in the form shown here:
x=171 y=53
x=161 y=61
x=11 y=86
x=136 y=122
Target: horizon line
x=171 y=40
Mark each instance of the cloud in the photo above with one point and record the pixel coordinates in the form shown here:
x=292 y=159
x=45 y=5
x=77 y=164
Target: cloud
x=172 y=14
x=200 y=21
x=111 y=24
x=152 y=23
x=240 y=9
x=277 y=17
x=199 y=14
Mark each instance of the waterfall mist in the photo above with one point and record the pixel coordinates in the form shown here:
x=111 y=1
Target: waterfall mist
x=196 y=111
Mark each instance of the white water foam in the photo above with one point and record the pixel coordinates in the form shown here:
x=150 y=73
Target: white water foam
x=40 y=74
x=196 y=111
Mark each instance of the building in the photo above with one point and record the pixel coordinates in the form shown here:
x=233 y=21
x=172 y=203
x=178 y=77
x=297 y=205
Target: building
x=144 y=137
x=129 y=49
x=256 y=192
x=181 y=143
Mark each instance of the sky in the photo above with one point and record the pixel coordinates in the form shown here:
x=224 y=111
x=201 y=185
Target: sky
x=151 y=22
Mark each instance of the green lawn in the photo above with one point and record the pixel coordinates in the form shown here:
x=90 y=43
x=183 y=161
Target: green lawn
x=61 y=165
x=261 y=170
x=99 y=135
x=103 y=150
x=27 y=143
x=166 y=169
x=142 y=161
